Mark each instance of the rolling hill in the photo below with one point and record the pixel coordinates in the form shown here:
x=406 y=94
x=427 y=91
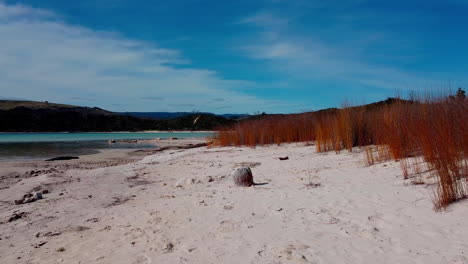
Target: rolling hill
x=30 y=116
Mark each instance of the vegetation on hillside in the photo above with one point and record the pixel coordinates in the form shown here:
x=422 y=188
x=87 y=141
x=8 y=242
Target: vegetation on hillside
x=17 y=116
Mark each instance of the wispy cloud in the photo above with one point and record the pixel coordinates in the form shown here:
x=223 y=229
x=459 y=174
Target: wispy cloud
x=11 y=98
x=152 y=98
x=17 y=12
x=311 y=56
x=264 y=19
x=182 y=105
x=82 y=99
x=45 y=58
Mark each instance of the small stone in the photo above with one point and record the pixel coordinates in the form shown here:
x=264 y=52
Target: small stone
x=210 y=179
x=40 y=244
x=228 y=207
x=45 y=191
x=169 y=247
x=191 y=249
x=37 y=195
x=60 y=249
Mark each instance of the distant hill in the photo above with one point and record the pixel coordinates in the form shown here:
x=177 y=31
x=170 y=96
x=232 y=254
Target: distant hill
x=170 y=115
x=366 y=107
x=29 y=116
x=10 y=104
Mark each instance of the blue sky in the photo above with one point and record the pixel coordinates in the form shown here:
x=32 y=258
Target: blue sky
x=229 y=56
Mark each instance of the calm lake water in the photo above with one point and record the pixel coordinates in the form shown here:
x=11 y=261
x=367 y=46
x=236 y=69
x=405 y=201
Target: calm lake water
x=48 y=145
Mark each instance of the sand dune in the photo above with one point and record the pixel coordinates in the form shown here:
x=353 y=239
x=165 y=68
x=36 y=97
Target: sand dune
x=181 y=206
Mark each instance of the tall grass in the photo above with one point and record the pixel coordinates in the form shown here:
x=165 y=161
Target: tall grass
x=435 y=129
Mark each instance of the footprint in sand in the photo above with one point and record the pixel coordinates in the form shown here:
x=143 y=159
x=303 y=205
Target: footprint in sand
x=226 y=228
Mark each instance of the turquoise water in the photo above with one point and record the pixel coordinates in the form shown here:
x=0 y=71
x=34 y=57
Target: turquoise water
x=68 y=137
x=25 y=146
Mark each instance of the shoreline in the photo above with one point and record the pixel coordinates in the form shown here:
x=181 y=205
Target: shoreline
x=12 y=170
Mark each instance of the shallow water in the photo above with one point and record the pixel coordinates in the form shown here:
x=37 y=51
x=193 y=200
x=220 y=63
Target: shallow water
x=62 y=137
x=14 y=146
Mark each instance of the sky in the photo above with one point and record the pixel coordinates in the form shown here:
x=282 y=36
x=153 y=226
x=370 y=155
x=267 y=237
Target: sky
x=244 y=56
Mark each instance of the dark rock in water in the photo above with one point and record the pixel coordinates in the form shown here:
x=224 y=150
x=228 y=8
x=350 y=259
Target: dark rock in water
x=63 y=158
x=243 y=177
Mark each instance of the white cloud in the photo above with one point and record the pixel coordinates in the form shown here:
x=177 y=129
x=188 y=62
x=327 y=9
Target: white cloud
x=265 y=19
x=44 y=58
x=304 y=55
x=22 y=12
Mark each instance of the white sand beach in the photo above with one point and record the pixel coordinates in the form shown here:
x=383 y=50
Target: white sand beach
x=181 y=206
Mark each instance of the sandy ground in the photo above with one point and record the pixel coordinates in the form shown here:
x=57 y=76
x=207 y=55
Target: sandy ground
x=181 y=206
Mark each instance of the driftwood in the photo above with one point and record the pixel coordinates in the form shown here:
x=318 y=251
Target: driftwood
x=243 y=177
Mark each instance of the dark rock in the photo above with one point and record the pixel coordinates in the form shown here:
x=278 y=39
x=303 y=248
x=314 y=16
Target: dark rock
x=16 y=216
x=40 y=244
x=63 y=158
x=210 y=179
x=284 y=158
x=29 y=200
x=37 y=195
x=60 y=249
x=243 y=177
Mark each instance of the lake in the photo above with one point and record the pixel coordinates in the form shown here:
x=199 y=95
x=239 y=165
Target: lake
x=47 y=145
